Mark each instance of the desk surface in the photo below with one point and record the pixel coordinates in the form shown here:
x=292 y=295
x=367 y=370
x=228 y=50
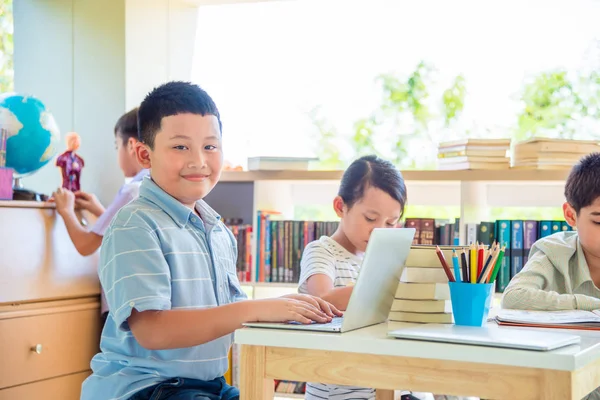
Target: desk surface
x=374 y=340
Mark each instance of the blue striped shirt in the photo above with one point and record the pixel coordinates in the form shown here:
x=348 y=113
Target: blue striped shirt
x=158 y=255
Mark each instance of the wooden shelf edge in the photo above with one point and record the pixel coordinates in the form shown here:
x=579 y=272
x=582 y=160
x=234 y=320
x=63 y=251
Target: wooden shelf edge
x=26 y=204
x=433 y=175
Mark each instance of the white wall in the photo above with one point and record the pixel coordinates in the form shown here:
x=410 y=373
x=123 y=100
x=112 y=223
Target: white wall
x=90 y=61
x=71 y=54
x=160 y=38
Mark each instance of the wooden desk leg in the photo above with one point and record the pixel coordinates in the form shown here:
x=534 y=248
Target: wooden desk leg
x=384 y=394
x=253 y=385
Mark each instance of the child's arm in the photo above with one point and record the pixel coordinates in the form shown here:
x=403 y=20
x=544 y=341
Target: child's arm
x=89 y=202
x=85 y=242
x=321 y=285
x=137 y=282
x=532 y=289
x=317 y=269
x=171 y=329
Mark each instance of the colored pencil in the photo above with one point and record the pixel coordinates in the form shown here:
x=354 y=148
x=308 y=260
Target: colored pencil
x=444 y=264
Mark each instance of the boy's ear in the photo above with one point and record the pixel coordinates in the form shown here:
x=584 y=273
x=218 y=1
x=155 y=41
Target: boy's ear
x=570 y=214
x=142 y=153
x=339 y=206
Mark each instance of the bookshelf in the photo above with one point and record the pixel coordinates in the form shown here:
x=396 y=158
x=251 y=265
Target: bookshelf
x=432 y=175
x=240 y=194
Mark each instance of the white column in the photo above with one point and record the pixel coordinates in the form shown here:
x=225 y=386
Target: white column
x=473 y=205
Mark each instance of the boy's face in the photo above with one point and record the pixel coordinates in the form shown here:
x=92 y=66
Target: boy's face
x=187 y=157
x=588 y=226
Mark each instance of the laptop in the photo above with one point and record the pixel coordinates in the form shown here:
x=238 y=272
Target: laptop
x=375 y=287
x=492 y=336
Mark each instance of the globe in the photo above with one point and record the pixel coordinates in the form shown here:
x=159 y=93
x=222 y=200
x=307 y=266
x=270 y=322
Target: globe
x=32 y=133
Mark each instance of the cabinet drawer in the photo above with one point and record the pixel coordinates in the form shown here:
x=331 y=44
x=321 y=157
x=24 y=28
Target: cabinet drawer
x=62 y=388
x=65 y=344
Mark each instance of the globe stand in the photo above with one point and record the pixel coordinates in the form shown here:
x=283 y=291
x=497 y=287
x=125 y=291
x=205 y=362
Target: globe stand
x=20 y=193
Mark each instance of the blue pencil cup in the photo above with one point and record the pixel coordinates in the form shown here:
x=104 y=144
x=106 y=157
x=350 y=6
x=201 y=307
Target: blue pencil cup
x=471 y=302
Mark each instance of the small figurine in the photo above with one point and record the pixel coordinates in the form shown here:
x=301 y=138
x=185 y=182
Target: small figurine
x=70 y=163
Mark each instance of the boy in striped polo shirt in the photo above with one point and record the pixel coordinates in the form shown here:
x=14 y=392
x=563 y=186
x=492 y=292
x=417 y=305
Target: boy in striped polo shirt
x=167 y=266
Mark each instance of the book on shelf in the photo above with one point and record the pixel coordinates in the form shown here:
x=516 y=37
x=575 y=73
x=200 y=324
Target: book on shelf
x=280 y=244
x=517 y=235
x=483 y=154
x=265 y=163
x=473 y=165
x=430 y=231
x=289 y=387
x=546 y=153
x=243 y=236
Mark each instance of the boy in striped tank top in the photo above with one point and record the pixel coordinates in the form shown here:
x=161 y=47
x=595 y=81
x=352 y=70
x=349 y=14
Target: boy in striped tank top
x=372 y=195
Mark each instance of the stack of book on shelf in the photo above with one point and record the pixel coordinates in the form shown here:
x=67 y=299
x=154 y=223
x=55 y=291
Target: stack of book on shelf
x=279 y=163
x=243 y=236
x=474 y=154
x=289 y=387
x=434 y=231
x=545 y=153
x=280 y=244
x=518 y=236
x=423 y=295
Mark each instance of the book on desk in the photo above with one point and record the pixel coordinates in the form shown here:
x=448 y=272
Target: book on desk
x=568 y=319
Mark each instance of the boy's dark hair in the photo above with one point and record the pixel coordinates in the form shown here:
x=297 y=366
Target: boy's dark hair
x=127 y=125
x=372 y=171
x=583 y=184
x=172 y=98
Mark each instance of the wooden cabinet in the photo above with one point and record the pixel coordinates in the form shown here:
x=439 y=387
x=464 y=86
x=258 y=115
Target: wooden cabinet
x=49 y=305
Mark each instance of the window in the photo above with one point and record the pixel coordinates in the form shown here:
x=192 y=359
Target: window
x=278 y=68
x=6 y=46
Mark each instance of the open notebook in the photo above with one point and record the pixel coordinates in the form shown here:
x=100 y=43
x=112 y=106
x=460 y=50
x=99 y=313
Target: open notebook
x=571 y=319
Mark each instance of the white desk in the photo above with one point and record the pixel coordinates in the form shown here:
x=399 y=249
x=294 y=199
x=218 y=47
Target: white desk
x=368 y=358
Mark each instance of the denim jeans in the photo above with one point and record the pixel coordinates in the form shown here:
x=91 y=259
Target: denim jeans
x=189 y=389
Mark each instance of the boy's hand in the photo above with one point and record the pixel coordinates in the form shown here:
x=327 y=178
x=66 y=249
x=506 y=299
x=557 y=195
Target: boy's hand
x=89 y=202
x=285 y=309
x=318 y=302
x=65 y=201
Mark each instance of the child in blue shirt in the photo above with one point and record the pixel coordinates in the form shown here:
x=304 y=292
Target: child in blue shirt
x=167 y=265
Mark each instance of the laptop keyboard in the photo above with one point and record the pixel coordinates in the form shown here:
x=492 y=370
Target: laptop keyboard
x=335 y=322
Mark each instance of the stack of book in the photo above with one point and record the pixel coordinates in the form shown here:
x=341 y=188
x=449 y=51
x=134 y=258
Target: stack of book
x=474 y=154
x=544 y=153
x=279 y=163
x=423 y=295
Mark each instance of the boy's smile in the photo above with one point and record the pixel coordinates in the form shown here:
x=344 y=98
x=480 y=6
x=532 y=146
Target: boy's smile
x=196 y=177
x=186 y=159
